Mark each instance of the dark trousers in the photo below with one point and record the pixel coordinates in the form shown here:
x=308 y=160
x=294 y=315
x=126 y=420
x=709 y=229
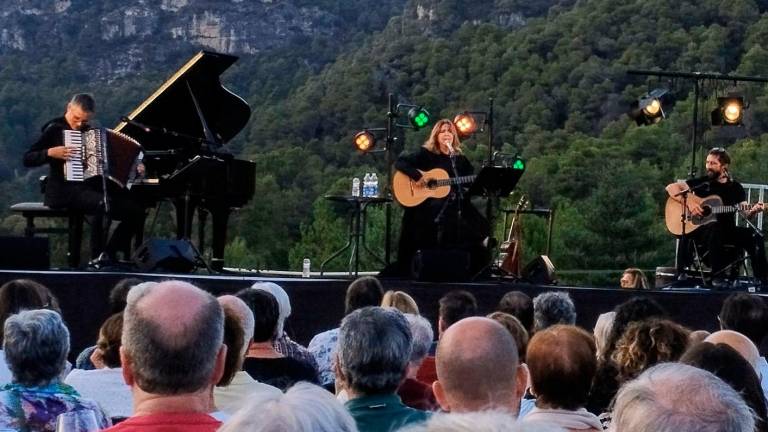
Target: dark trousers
x=720 y=246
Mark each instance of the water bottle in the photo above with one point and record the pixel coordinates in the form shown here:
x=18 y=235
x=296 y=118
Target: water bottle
x=355 y=187
x=305 y=268
x=374 y=185
x=367 y=185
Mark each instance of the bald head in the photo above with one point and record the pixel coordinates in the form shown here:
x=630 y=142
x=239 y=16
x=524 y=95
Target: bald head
x=737 y=341
x=172 y=334
x=465 y=382
x=237 y=308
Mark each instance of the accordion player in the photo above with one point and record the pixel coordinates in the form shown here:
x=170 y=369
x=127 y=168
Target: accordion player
x=95 y=151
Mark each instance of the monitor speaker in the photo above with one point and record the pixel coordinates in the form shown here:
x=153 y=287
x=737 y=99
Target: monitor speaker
x=540 y=271
x=175 y=256
x=25 y=253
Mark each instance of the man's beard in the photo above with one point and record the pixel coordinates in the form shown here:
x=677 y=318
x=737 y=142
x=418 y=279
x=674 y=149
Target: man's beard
x=712 y=175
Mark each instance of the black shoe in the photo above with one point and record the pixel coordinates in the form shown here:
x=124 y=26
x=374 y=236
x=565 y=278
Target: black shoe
x=101 y=262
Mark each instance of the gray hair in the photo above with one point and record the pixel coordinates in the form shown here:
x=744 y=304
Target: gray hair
x=673 y=397
x=303 y=408
x=550 y=308
x=283 y=303
x=84 y=101
x=181 y=363
x=423 y=335
x=234 y=306
x=374 y=349
x=36 y=346
x=479 y=421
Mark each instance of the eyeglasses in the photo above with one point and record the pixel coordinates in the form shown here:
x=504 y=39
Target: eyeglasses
x=717 y=150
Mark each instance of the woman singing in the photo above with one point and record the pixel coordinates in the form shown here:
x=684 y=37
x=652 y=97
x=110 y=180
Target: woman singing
x=440 y=223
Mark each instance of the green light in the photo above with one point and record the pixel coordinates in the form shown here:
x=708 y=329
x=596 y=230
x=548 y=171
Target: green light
x=418 y=117
x=519 y=165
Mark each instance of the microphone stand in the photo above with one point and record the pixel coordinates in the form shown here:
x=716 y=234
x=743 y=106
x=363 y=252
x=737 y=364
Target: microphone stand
x=683 y=241
x=458 y=193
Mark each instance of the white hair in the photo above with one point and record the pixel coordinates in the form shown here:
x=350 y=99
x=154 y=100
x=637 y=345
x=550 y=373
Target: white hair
x=304 y=407
x=603 y=330
x=283 y=303
x=240 y=310
x=479 y=421
x=423 y=335
x=673 y=397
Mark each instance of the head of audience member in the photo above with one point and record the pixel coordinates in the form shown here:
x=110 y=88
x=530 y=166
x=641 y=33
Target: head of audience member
x=562 y=362
x=172 y=346
x=422 y=337
x=634 y=309
x=107 y=352
x=24 y=294
x=697 y=336
x=119 y=293
x=478 y=368
x=731 y=367
x=302 y=408
x=283 y=302
x=36 y=345
x=363 y=292
x=374 y=351
x=634 y=278
x=603 y=329
x=519 y=305
x=238 y=332
x=479 y=421
x=265 y=311
x=746 y=314
x=681 y=398
x=400 y=301
x=737 y=341
x=455 y=306
x=551 y=308
x=516 y=329
x=645 y=343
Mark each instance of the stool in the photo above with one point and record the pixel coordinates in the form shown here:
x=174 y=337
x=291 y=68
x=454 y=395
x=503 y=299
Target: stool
x=74 y=230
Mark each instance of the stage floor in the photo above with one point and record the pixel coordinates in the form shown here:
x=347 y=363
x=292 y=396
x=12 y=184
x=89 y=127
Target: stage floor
x=318 y=303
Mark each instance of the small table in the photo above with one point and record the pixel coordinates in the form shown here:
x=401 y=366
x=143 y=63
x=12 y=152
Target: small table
x=358 y=206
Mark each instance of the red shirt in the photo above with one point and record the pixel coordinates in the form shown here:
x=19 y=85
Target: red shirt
x=168 y=422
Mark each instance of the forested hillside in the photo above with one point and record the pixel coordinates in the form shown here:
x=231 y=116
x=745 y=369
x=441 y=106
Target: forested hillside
x=557 y=73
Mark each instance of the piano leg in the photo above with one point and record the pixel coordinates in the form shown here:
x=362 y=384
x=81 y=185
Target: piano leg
x=202 y=216
x=220 y=218
x=185 y=211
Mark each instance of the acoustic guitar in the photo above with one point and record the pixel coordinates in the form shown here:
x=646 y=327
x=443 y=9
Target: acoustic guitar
x=436 y=184
x=712 y=206
x=511 y=249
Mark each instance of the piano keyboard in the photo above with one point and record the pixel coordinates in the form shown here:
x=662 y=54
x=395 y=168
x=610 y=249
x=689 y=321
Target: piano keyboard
x=73 y=166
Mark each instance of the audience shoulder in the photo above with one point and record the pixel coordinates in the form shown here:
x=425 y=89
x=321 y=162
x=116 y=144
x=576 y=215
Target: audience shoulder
x=479 y=421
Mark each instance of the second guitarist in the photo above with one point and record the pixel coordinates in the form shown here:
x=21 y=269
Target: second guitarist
x=713 y=237
x=434 y=224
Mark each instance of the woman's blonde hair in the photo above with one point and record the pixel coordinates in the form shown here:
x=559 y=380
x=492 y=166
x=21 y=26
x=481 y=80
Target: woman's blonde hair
x=433 y=145
x=400 y=301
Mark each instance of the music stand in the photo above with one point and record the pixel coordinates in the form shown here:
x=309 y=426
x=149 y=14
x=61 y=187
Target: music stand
x=495 y=181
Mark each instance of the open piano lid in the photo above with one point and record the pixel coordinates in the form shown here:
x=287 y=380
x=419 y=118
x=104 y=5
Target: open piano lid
x=188 y=102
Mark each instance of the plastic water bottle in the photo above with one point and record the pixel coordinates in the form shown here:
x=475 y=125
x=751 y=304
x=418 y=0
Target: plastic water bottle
x=374 y=185
x=367 y=185
x=355 y=187
x=305 y=268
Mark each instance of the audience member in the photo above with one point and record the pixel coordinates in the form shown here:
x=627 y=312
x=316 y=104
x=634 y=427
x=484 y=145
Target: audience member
x=602 y=330
x=105 y=384
x=562 y=361
x=263 y=363
x=363 y=292
x=737 y=341
x=283 y=344
x=373 y=355
x=747 y=314
x=36 y=344
x=400 y=301
x=731 y=367
x=551 y=308
x=479 y=421
x=172 y=356
x=303 y=408
x=18 y=295
x=634 y=278
x=117 y=297
x=697 y=336
x=519 y=305
x=478 y=369
x=673 y=397
x=646 y=343
x=235 y=386
x=516 y=329
x=413 y=392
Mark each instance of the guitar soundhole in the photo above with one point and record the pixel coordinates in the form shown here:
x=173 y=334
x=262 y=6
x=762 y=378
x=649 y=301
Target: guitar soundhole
x=706 y=211
x=431 y=183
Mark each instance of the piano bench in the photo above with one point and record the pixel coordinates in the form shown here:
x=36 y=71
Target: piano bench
x=74 y=230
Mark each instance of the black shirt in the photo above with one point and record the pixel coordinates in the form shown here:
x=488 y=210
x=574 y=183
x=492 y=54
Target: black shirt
x=282 y=372
x=730 y=192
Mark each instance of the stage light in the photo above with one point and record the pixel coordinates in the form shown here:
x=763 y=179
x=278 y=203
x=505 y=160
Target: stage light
x=418 y=117
x=648 y=109
x=364 y=141
x=518 y=165
x=729 y=111
x=465 y=124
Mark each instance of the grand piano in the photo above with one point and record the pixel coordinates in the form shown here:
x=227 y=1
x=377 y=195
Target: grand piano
x=182 y=128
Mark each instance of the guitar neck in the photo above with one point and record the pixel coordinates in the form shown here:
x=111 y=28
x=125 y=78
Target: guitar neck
x=725 y=209
x=455 y=180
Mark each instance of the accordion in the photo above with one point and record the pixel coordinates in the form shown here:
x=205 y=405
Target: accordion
x=98 y=150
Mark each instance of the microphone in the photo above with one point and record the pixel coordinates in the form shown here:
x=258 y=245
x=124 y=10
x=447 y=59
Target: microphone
x=141 y=126
x=727 y=175
x=449 y=144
